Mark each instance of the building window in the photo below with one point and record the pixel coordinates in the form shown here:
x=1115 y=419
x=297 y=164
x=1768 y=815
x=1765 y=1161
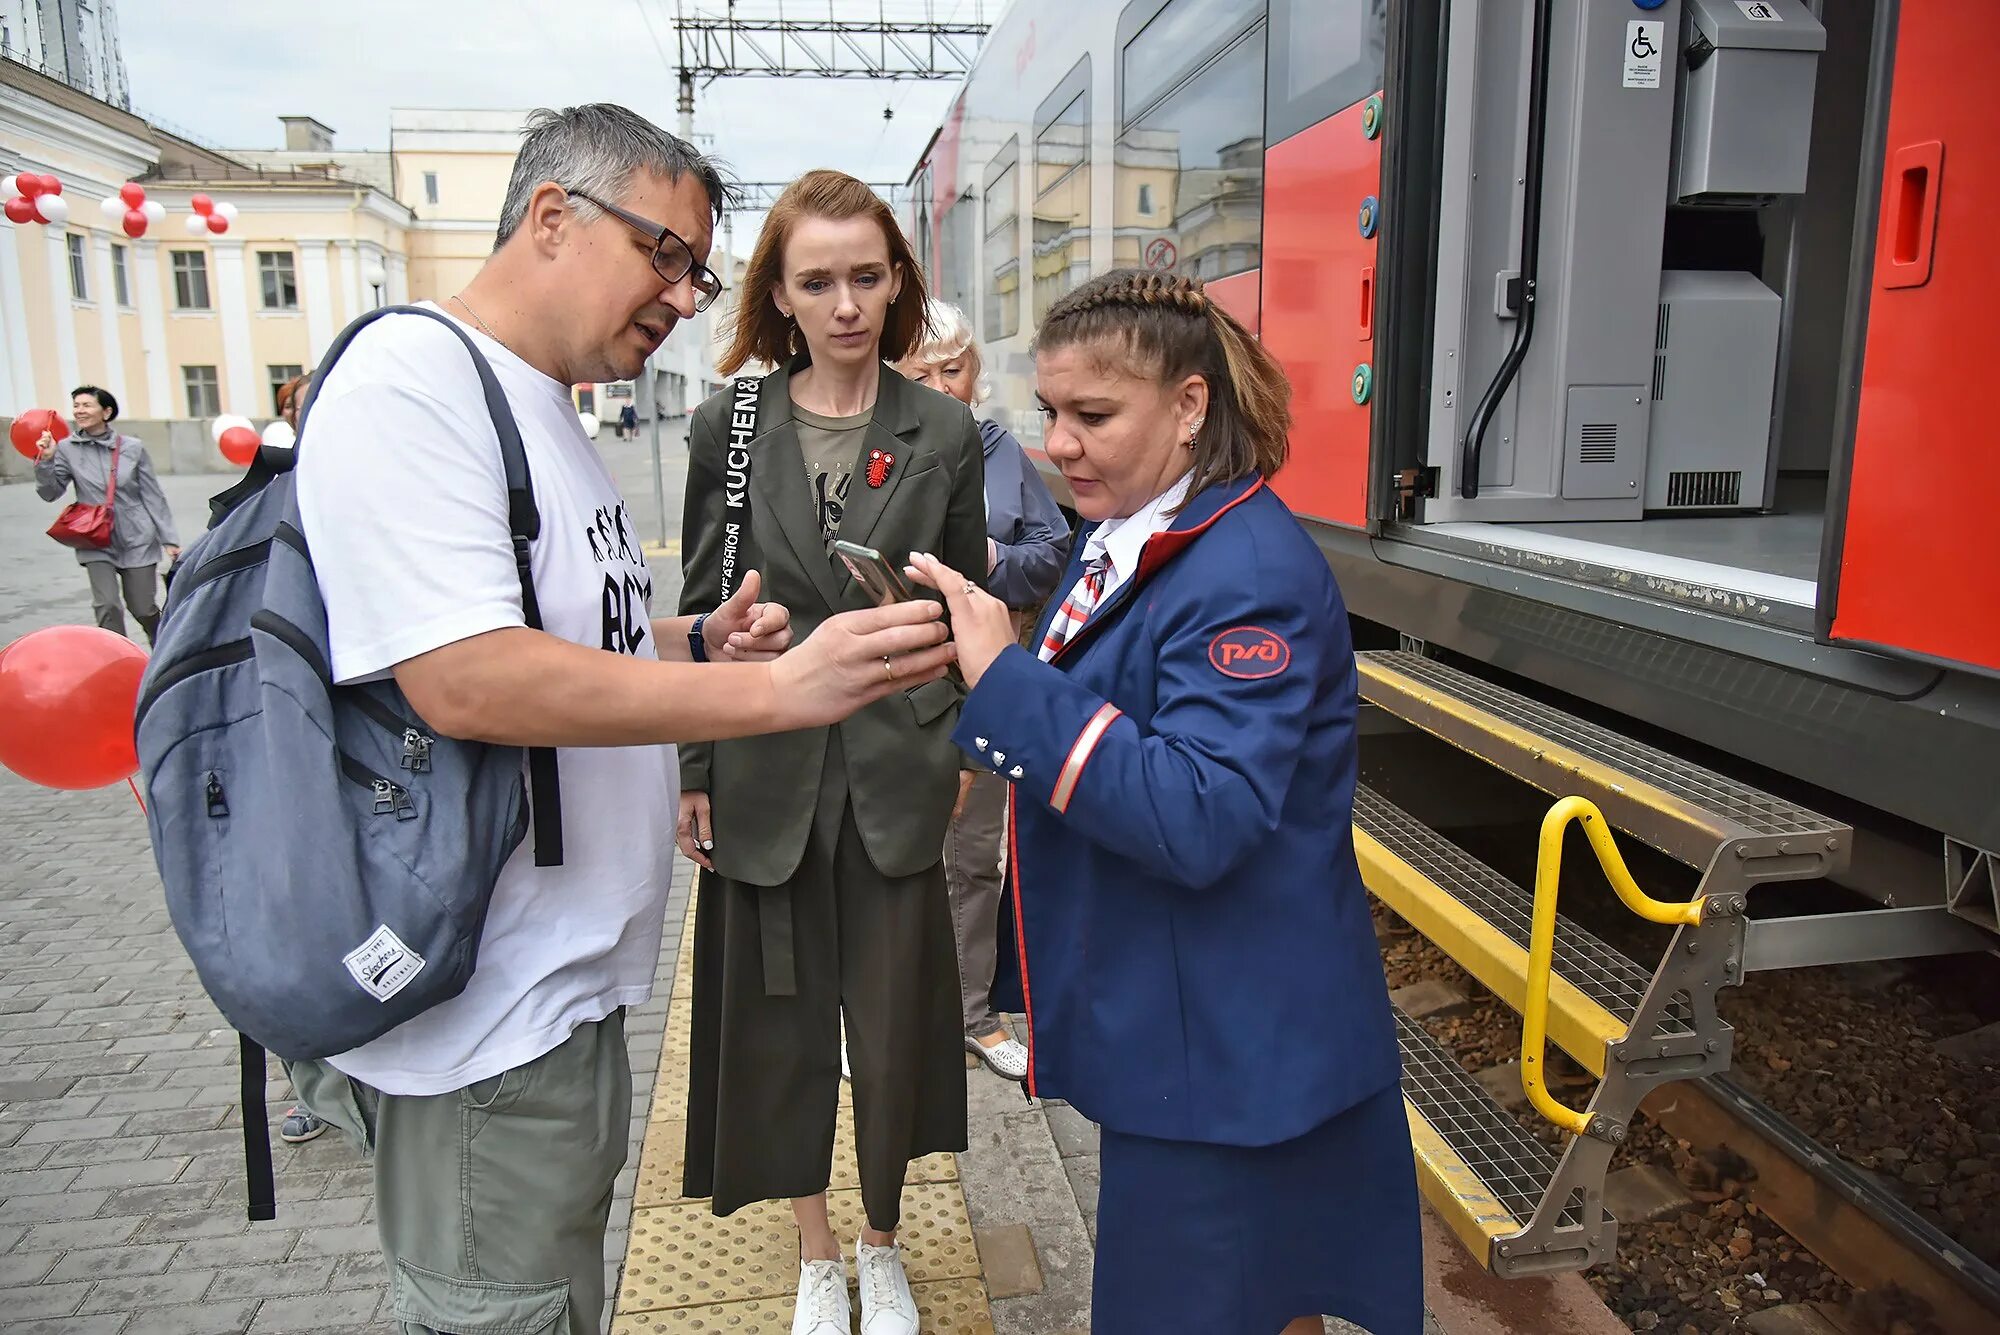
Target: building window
x=1062 y=197
x=1003 y=244
x=204 y=394
x=79 y=286
x=121 y=279
x=1193 y=160
x=282 y=374
x=278 y=280
x=430 y=187
x=190 y=280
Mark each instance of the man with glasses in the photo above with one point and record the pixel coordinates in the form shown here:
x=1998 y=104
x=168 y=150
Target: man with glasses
x=499 y=1119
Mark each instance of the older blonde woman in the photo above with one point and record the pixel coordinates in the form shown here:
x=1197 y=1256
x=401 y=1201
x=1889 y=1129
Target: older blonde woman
x=1027 y=542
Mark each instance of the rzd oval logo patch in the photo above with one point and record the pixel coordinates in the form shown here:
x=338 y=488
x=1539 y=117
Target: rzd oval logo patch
x=1249 y=652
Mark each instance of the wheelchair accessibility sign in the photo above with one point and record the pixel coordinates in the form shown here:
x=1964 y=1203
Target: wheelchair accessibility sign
x=1645 y=53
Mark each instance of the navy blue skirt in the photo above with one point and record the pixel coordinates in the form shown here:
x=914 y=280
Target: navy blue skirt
x=1233 y=1240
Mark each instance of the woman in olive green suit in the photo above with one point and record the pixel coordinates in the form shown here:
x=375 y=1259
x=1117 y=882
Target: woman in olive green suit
x=825 y=891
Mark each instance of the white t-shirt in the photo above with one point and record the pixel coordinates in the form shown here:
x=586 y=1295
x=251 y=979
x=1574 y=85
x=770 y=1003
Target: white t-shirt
x=405 y=507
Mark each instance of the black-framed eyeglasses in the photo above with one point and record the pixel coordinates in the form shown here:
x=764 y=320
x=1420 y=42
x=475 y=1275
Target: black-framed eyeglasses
x=672 y=259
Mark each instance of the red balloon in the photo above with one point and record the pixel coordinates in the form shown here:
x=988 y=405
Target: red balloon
x=217 y=223
x=21 y=209
x=239 y=445
x=67 y=699
x=51 y=186
x=135 y=223
x=28 y=184
x=202 y=204
x=133 y=194
x=27 y=429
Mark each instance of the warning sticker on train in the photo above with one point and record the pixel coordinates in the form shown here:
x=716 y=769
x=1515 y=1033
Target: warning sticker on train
x=1161 y=254
x=1645 y=52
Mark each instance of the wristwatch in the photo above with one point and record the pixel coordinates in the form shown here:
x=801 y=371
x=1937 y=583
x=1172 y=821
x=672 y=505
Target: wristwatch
x=697 y=646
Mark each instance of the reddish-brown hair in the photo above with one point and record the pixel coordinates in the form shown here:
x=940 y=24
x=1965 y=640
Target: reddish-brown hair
x=762 y=332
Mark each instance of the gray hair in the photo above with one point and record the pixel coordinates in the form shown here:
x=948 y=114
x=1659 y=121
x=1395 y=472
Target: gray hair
x=598 y=148
x=947 y=337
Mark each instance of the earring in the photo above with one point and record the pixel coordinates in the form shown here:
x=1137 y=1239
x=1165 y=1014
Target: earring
x=792 y=338
x=1194 y=429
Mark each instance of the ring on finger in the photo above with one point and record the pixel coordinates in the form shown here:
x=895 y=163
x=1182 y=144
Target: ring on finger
x=970 y=587
x=888 y=667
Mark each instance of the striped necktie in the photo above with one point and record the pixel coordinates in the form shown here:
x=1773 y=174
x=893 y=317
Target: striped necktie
x=1076 y=608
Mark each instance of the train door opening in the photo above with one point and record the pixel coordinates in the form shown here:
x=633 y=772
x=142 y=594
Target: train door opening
x=1645 y=248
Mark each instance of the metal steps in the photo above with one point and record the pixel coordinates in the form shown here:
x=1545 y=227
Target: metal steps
x=1685 y=810
x=1481 y=919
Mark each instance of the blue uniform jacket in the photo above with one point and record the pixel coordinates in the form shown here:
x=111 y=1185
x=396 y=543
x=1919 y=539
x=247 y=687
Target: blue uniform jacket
x=1192 y=934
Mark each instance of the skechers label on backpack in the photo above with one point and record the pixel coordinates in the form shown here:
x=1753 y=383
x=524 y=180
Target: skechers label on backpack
x=328 y=858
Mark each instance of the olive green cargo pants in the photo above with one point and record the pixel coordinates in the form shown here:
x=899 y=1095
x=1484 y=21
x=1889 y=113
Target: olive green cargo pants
x=492 y=1200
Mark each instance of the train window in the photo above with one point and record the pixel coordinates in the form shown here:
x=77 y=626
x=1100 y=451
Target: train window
x=1189 y=172
x=1003 y=243
x=1158 y=48
x=1061 y=232
x=1326 y=55
x=957 y=277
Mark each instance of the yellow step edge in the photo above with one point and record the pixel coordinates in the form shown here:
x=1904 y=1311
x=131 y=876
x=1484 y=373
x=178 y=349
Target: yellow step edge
x=1455 y=1192
x=1579 y=1026
x=1608 y=778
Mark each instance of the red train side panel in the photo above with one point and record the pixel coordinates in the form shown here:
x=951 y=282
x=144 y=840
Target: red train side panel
x=1319 y=302
x=1920 y=568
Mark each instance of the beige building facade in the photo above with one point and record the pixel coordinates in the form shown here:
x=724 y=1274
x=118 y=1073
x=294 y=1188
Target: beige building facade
x=185 y=327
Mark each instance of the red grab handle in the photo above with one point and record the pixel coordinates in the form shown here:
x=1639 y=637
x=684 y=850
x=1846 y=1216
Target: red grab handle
x=1909 y=215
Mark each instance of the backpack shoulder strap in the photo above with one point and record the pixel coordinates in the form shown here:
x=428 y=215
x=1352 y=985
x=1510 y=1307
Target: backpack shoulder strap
x=524 y=525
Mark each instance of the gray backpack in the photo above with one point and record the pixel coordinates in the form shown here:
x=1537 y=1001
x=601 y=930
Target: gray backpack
x=328 y=858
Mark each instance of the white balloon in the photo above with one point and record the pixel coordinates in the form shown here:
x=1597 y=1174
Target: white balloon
x=52 y=208
x=375 y=275
x=10 y=186
x=196 y=224
x=227 y=210
x=279 y=435
x=154 y=211
x=589 y=423
x=113 y=208
x=226 y=421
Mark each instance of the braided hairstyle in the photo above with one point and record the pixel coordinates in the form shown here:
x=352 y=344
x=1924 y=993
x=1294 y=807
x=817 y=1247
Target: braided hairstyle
x=1164 y=327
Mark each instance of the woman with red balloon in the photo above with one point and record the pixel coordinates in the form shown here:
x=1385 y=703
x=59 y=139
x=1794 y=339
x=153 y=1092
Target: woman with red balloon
x=109 y=469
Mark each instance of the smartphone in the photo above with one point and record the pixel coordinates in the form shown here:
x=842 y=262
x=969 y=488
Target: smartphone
x=884 y=583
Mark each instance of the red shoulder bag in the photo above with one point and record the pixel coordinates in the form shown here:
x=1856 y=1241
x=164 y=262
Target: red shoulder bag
x=89 y=526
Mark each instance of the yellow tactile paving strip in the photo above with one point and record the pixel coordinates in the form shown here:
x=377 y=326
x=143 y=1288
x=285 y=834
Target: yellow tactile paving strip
x=687 y=1271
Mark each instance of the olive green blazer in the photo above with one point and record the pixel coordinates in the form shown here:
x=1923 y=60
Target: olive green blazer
x=901 y=767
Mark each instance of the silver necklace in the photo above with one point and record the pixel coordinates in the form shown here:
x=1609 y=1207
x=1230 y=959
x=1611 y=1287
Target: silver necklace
x=483 y=326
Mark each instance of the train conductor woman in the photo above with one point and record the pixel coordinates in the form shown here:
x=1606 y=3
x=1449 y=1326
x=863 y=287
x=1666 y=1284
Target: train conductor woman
x=1199 y=970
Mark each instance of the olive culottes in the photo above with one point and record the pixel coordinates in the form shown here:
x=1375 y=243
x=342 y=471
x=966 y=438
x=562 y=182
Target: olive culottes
x=775 y=968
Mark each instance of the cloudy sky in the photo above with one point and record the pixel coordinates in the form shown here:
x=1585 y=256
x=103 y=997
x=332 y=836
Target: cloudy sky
x=227 y=69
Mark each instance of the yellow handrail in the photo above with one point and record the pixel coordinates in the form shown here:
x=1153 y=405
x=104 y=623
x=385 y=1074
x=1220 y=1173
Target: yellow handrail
x=1542 y=939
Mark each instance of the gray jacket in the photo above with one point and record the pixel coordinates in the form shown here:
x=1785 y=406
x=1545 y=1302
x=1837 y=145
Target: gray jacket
x=1029 y=533
x=141 y=522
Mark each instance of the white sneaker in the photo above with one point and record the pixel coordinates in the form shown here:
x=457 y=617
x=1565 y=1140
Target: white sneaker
x=822 y=1307
x=887 y=1305
x=1007 y=1059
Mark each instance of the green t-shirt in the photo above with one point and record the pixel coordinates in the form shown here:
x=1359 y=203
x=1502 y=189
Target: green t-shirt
x=832 y=446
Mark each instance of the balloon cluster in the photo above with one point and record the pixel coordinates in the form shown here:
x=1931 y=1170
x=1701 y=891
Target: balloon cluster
x=34 y=199
x=209 y=216
x=236 y=437
x=25 y=433
x=130 y=209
